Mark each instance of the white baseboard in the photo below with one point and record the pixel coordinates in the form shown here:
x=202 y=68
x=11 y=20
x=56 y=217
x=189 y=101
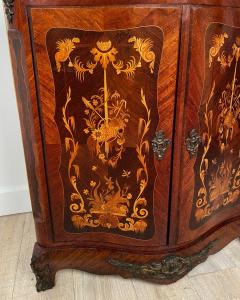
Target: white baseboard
x=14 y=200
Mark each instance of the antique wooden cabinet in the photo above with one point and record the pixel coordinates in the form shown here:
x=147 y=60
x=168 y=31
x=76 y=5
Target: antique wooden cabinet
x=130 y=116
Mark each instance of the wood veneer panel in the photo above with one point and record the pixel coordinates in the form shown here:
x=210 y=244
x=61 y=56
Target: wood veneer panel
x=203 y=177
x=103 y=19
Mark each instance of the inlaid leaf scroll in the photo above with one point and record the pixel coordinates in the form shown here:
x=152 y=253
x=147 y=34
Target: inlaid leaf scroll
x=106 y=113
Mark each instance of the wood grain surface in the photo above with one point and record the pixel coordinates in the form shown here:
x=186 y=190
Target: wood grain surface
x=104 y=19
x=180 y=89
x=200 y=20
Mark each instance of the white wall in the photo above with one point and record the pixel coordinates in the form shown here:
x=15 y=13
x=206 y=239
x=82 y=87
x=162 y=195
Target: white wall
x=14 y=195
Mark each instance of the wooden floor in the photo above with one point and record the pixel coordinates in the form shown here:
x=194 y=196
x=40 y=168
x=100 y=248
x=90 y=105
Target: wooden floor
x=218 y=278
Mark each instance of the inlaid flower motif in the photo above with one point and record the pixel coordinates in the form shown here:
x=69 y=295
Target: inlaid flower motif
x=120 y=141
x=85 y=192
x=104 y=53
x=126 y=173
x=96 y=134
x=95 y=102
x=109 y=183
x=94 y=168
x=92 y=183
x=129 y=196
x=101 y=156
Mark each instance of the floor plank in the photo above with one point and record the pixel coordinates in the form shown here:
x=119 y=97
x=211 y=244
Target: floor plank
x=181 y=290
x=24 y=287
x=219 y=261
x=233 y=251
x=11 y=233
x=93 y=287
x=221 y=285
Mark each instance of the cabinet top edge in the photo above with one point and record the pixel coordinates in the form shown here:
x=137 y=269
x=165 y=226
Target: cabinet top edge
x=16 y=9
x=231 y=3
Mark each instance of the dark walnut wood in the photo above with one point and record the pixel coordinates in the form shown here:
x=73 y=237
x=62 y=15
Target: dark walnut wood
x=130 y=118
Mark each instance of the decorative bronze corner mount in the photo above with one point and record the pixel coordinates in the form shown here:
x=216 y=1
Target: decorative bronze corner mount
x=9 y=9
x=170 y=267
x=160 y=144
x=45 y=277
x=192 y=142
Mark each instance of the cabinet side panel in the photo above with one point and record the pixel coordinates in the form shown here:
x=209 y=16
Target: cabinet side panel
x=25 y=116
x=30 y=144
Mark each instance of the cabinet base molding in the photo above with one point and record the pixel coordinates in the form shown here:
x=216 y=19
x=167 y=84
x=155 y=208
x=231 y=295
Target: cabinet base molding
x=170 y=267
x=165 y=267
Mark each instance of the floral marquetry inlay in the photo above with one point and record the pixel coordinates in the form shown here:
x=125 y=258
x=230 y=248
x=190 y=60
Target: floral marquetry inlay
x=218 y=162
x=106 y=115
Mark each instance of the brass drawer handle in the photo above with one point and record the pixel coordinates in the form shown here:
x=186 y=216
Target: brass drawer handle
x=160 y=144
x=192 y=143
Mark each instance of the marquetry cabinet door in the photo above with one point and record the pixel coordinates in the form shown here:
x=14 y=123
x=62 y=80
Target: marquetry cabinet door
x=106 y=79
x=209 y=179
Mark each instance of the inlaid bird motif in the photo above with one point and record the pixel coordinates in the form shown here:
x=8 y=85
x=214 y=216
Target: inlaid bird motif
x=144 y=47
x=218 y=41
x=64 y=48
